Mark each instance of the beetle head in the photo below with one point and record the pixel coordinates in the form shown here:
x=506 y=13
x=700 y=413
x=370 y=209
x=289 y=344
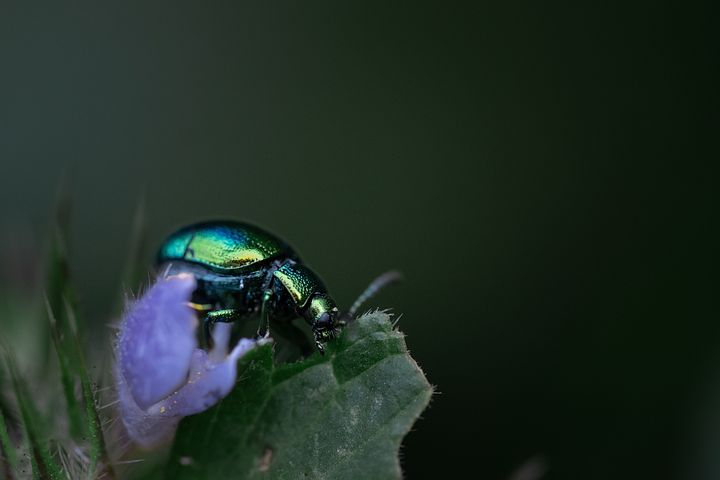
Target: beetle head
x=323 y=315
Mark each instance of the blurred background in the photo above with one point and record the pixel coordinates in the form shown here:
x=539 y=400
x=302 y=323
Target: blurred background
x=539 y=171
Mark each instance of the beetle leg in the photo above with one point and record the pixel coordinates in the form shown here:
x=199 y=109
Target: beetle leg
x=223 y=316
x=264 y=327
x=320 y=346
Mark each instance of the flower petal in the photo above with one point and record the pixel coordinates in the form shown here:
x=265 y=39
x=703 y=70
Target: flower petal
x=161 y=374
x=157 y=340
x=208 y=383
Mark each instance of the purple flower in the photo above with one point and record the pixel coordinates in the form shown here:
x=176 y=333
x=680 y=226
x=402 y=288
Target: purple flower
x=161 y=373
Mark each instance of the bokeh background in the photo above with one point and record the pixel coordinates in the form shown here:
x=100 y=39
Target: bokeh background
x=538 y=170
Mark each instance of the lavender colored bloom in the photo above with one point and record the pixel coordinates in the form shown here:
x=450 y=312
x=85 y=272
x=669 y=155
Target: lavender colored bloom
x=161 y=373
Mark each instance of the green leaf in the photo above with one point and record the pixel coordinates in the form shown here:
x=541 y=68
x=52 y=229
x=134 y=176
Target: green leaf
x=58 y=288
x=43 y=464
x=8 y=455
x=68 y=372
x=99 y=461
x=82 y=413
x=342 y=415
x=59 y=300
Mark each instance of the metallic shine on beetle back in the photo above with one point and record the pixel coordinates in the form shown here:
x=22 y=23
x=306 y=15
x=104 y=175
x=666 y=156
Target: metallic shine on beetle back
x=242 y=270
x=222 y=246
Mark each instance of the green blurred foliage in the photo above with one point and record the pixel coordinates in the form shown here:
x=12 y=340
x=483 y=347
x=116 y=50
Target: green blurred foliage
x=539 y=172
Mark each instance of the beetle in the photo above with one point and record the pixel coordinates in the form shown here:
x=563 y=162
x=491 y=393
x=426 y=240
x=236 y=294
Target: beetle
x=242 y=270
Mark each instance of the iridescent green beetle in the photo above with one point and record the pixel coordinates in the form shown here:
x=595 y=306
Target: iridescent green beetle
x=242 y=270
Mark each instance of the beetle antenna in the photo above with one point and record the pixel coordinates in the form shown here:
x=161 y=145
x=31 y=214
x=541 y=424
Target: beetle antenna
x=375 y=286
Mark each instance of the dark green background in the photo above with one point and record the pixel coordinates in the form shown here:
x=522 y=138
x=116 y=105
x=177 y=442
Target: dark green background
x=537 y=170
